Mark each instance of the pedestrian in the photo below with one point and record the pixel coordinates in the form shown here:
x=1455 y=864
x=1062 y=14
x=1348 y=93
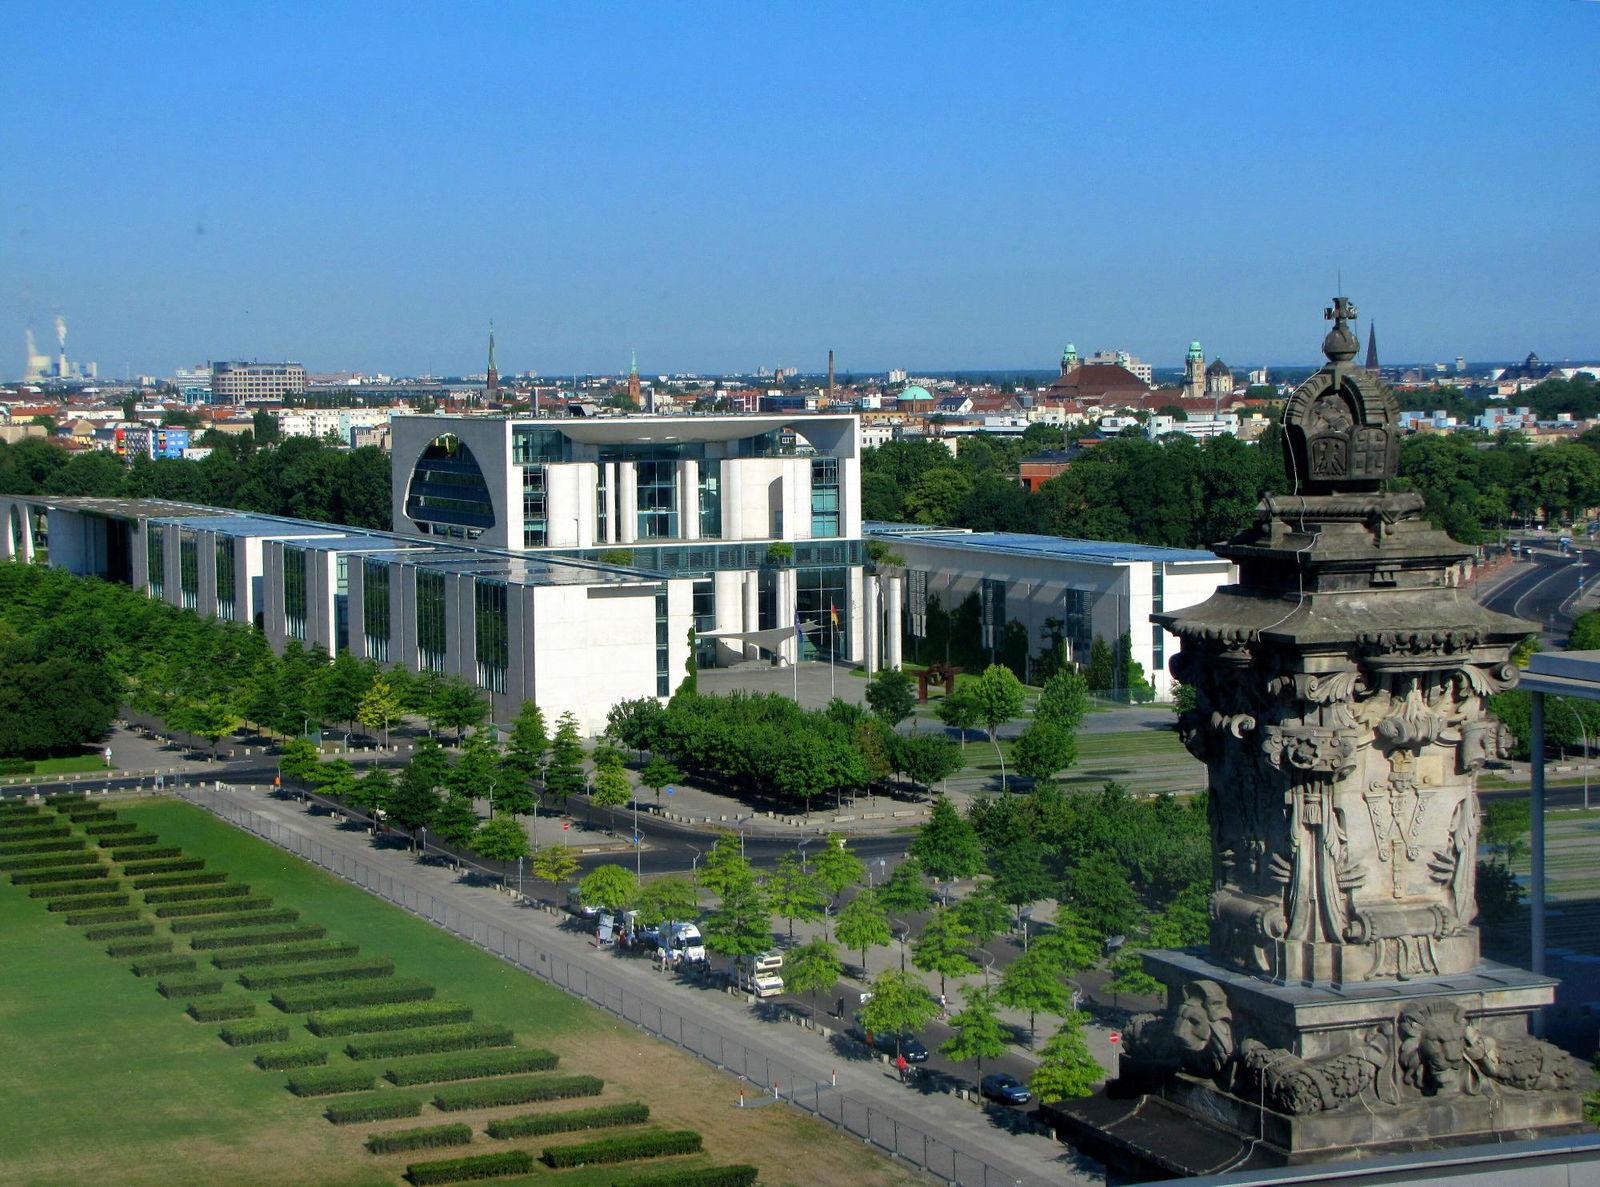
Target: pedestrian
x=943 y=1011
x=900 y=1066
x=839 y=1012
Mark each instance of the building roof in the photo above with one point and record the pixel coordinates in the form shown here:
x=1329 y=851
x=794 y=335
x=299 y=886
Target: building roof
x=1218 y=367
x=914 y=392
x=1047 y=547
x=1093 y=380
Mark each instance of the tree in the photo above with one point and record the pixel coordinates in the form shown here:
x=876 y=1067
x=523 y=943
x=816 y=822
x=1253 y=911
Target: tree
x=658 y=773
x=947 y=846
x=212 y=719
x=456 y=821
x=1064 y=701
x=741 y=925
x=1505 y=828
x=476 y=774
x=889 y=695
x=524 y=758
x=1016 y=859
x=500 y=839
x=812 y=966
x=942 y=948
x=611 y=788
x=873 y=741
x=1101 y=672
x=457 y=705
x=373 y=790
x=336 y=779
x=927 y=758
x=415 y=804
x=1098 y=888
x=978 y=1032
x=299 y=760
x=899 y=1005
x=1066 y=1068
x=904 y=891
x=554 y=863
x=1072 y=944
x=1585 y=633
x=724 y=864
x=835 y=866
x=998 y=696
x=1043 y=749
x=380 y=706
x=1033 y=983
x=863 y=924
x=608 y=886
x=563 y=776
x=795 y=893
x=690 y=684
x=959 y=711
x=666 y=900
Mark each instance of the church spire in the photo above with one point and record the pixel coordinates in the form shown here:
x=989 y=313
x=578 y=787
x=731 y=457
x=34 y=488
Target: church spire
x=491 y=387
x=1372 y=347
x=633 y=384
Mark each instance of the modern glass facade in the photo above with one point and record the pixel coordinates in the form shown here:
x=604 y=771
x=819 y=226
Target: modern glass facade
x=155 y=555
x=705 y=619
x=188 y=570
x=227 y=579
x=663 y=676
x=703 y=559
x=658 y=499
x=535 y=508
x=294 y=592
x=822 y=601
x=492 y=633
x=448 y=495
x=341 y=603
x=710 y=501
x=1158 y=603
x=375 y=609
x=600 y=516
x=431 y=630
x=824 y=496
x=1078 y=608
x=535 y=447
x=992 y=603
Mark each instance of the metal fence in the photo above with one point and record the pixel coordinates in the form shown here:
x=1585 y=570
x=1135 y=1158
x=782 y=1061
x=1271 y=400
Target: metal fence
x=769 y=1078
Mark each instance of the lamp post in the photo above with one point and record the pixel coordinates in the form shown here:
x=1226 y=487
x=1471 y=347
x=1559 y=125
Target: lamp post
x=905 y=930
x=801 y=849
x=638 y=844
x=694 y=862
x=519 y=877
x=423 y=833
x=1583 y=736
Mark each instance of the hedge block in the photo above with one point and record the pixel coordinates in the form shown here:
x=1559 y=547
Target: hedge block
x=164 y=866
x=110 y=829
x=41 y=861
x=123 y=856
x=74 y=889
x=155 y=966
x=469 y=1065
x=58 y=877
x=248 y=939
x=250 y=1036
x=282 y=1059
x=623 y=1148
x=428 y=1137
x=61 y=845
x=87 y=902
x=393 y=1017
x=492 y=1093
x=330 y=1081
x=479 y=1166
x=189 y=894
x=228 y=922
x=160 y=880
x=380 y=1106
x=222 y=1010
x=119 y=931
x=736 y=1175
x=342 y=970
x=42 y=831
x=303 y=999
x=187 y=989
x=139 y=948
x=569 y=1121
x=211 y=907
x=276 y=954
x=103 y=915
x=433 y=1040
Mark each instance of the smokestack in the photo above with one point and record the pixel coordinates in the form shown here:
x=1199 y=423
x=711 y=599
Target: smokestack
x=830 y=377
x=61 y=333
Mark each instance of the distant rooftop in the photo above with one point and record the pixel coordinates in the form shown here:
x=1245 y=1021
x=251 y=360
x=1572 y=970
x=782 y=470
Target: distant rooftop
x=1026 y=544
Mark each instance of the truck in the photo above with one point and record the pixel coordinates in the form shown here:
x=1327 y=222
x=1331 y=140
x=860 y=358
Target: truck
x=681 y=942
x=759 y=974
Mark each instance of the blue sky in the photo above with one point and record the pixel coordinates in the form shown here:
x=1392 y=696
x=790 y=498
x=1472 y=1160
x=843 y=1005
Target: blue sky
x=730 y=186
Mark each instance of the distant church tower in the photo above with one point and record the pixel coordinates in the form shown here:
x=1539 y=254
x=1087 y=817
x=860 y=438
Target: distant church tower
x=1194 y=373
x=633 y=385
x=491 y=389
x=1069 y=359
x=830 y=378
x=1372 y=347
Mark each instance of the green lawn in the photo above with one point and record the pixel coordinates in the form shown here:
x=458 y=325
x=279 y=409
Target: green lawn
x=105 y=1081
x=69 y=764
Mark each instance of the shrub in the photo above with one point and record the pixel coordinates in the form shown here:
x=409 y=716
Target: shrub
x=307 y=998
x=380 y=1106
x=185 y=894
x=285 y=954
x=70 y=889
x=186 y=989
x=737 y=1175
x=479 y=1166
x=468 y=1065
x=250 y=1036
x=492 y=1093
x=87 y=902
x=69 y=874
x=154 y=883
x=222 y=1011
x=391 y=1017
x=331 y=1080
x=224 y=922
x=281 y=1059
x=64 y=845
x=42 y=861
x=432 y=1041
x=110 y=830
x=104 y=915
x=141 y=841
x=426 y=1138
x=310 y=975
x=157 y=965
x=212 y=907
x=42 y=831
x=123 y=856
x=248 y=939
x=139 y=948
x=623 y=1148
x=117 y=931
x=599 y=1117
x=165 y=866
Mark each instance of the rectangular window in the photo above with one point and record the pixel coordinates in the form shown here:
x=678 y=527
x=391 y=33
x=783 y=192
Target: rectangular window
x=658 y=499
x=492 y=634
x=705 y=619
x=992 y=593
x=600 y=516
x=824 y=496
x=1158 y=634
x=341 y=603
x=430 y=621
x=663 y=676
x=534 y=447
x=375 y=609
x=294 y=592
x=535 y=508
x=188 y=571
x=823 y=607
x=916 y=603
x=155 y=540
x=227 y=580
x=710 y=502
x=1078 y=612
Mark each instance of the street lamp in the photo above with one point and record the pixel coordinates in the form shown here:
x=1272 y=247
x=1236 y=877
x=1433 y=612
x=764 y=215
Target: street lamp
x=638 y=842
x=905 y=930
x=519 y=877
x=423 y=833
x=1583 y=735
x=694 y=862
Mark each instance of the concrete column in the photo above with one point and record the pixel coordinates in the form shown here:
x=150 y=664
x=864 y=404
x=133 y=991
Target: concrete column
x=870 y=623
x=895 y=599
x=727 y=590
x=689 y=499
x=752 y=610
x=786 y=611
x=731 y=493
x=1536 y=887
x=627 y=502
x=611 y=501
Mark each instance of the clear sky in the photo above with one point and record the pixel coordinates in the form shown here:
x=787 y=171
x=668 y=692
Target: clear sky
x=729 y=186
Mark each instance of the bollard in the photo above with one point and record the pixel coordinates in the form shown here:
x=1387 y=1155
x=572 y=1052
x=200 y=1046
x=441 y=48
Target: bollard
x=741 y=1096
x=774 y=1090
x=833 y=1078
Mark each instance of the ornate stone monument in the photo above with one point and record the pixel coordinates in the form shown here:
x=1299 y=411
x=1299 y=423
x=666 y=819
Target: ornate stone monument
x=1342 y=1006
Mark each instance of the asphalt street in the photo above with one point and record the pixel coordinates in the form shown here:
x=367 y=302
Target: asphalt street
x=1545 y=589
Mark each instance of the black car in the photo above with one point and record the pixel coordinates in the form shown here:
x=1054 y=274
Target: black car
x=908 y=1044
x=1008 y=1090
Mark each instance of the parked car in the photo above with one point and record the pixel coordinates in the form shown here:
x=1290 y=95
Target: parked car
x=1006 y=1089
x=889 y=1043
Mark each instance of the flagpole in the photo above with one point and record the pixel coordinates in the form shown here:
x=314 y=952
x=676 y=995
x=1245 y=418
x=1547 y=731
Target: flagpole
x=833 y=647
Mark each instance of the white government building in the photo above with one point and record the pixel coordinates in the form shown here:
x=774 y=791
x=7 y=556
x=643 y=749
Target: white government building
x=566 y=560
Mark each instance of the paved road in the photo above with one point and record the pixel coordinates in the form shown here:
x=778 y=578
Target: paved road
x=1545 y=589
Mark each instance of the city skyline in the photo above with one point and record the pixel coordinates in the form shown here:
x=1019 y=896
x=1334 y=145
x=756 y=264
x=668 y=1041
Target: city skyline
x=911 y=187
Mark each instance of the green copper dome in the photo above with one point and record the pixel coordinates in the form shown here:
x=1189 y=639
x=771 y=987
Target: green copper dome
x=916 y=393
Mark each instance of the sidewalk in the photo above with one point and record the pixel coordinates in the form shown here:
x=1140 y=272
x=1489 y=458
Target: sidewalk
x=808 y=1058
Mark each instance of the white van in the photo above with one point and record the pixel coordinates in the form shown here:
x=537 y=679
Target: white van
x=683 y=942
x=759 y=974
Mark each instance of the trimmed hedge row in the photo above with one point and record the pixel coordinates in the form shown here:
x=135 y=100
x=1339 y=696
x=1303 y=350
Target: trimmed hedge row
x=468 y=1065
x=282 y=1059
x=42 y=831
x=225 y=922
x=104 y=915
x=286 y=954
x=21 y=848
x=165 y=866
x=118 y=931
x=211 y=907
x=123 y=856
x=68 y=874
x=428 y=1137
x=310 y=975
x=87 y=902
x=222 y=1011
x=187 y=989
x=479 y=1166
x=492 y=1093
x=139 y=948
x=346 y=995
x=432 y=1041
x=250 y=1036
x=570 y=1121
x=624 y=1148
x=47 y=860
x=332 y=1080
x=157 y=965
x=247 y=939
x=738 y=1175
x=381 y=1106
x=391 y=1017
x=70 y=889
x=186 y=894
x=154 y=883
x=111 y=828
